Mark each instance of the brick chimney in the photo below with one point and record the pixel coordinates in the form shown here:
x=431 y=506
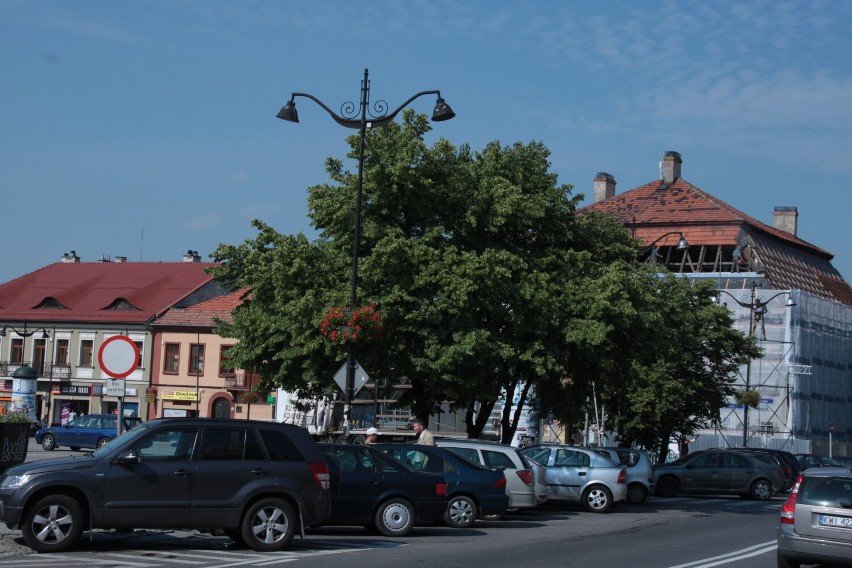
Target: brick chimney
x=670 y=169
x=604 y=186
x=786 y=219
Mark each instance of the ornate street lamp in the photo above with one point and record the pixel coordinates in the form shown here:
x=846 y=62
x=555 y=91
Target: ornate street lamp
x=362 y=119
x=682 y=244
x=756 y=312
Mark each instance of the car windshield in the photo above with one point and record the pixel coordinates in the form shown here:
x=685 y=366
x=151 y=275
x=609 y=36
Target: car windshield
x=137 y=431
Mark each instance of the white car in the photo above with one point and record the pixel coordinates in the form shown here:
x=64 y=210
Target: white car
x=581 y=475
x=525 y=482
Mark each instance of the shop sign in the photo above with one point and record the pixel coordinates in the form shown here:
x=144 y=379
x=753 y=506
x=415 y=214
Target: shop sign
x=178 y=395
x=74 y=390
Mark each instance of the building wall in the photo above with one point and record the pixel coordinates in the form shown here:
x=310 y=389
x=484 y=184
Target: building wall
x=190 y=393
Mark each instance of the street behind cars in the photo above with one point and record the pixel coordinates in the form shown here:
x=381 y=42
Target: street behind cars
x=720 y=472
x=816 y=521
x=380 y=493
x=472 y=490
x=91 y=431
x=580 y=475
x=255 y=481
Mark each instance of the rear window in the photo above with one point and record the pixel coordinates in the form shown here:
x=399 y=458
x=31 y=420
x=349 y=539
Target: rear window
x=467 y=453
x=498 y=459
x=279 y=446
x=826 y=491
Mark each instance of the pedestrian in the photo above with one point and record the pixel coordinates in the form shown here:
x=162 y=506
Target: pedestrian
x=424 y=436
x=372 y=436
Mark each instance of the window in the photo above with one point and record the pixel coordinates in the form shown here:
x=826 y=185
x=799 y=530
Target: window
x=280 y=446
x=87 y=348
x=571 y=458
x=224 y=369
x=168 y=445
x=17 y=354
x=171 y=361
x=497 y=459
x=61 y=355
x=139 y=347
x=231 y=444
x=467 y=453
x=196 y=358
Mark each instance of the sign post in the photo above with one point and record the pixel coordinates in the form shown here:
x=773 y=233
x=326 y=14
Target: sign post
x=118 y=357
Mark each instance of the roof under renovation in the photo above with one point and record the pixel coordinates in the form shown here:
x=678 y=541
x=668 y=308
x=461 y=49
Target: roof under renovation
x=720 y=237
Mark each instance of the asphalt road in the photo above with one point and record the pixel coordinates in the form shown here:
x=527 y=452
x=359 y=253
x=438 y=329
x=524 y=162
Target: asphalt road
x=684 y=532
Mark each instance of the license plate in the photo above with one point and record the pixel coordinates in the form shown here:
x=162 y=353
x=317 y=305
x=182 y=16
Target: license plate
x=832 y=521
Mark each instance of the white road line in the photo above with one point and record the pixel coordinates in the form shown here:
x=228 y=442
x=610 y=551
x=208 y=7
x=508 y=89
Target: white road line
x=755 y=550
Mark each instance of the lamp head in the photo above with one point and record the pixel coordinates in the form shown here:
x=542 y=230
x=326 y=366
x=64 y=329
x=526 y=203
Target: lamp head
x=442 y=111
x=289 y=113
x=44 y=334
x=790 y=302
x=682 y=244
x=3 y=332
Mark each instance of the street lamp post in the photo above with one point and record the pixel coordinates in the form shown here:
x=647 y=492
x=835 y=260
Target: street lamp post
x=756 y=309
x=830 y=438
x=362 y=120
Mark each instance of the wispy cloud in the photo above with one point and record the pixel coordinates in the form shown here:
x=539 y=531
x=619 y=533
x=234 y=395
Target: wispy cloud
x=204 y=221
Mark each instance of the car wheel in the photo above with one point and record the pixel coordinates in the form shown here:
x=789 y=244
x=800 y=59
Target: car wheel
x=395 y=517
x=53 y=524
x=269 y=525
x=597 y=499
x=761 y=490
x=102 y=442
x=637 y=493
x=784 y=562
x=667 y=487
x=48 y=442
x=461 y=512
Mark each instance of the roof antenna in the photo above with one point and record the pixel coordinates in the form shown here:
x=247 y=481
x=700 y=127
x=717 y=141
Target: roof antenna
x=661 y=169
x=141 y=241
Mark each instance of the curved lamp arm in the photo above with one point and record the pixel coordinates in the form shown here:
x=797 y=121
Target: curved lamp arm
x=789 y=304
x=682 y=244
x=25 y=333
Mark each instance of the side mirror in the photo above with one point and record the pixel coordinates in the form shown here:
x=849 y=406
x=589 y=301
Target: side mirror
x=129 y=457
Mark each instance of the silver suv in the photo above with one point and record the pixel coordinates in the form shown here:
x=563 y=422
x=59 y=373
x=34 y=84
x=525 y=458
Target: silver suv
x=640 y=471
x=816 y=521
x=525 y=482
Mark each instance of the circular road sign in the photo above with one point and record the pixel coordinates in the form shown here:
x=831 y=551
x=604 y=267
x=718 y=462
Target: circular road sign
x=118 y=356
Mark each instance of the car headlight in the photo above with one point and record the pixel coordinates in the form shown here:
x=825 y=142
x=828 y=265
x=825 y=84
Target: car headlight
x=14 y=482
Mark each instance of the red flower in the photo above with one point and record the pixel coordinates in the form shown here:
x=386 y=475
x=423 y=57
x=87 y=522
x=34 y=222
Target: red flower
x=364 y=323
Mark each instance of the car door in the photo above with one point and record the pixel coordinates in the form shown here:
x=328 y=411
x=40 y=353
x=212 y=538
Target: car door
x=230 y=464
x=703 y=473
x=360 y=484
x=156 y=491
x=736 y=473
x=570 y=472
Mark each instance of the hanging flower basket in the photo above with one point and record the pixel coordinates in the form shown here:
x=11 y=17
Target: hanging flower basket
x=362 y=324
x=749 y=398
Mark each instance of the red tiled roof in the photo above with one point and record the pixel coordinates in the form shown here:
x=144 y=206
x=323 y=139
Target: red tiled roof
x=203 y=314
x=87 y=289
x=657 y=208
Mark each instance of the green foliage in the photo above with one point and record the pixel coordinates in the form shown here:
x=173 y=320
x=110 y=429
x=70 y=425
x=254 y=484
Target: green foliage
x=15 y=417
x=489 y=283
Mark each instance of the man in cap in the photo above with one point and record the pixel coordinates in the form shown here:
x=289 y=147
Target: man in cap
x=372 y=436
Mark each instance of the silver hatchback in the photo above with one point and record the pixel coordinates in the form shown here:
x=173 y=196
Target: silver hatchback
x=581 y=475
x=816 y=521
x=640 y=471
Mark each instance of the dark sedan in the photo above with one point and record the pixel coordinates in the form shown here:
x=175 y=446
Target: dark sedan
x=813 y=460
x=720 y=472
x=379 y=492
x=473 y=490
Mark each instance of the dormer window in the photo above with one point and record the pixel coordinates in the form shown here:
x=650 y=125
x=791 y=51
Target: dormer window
x=121 y=304
x=50 y=303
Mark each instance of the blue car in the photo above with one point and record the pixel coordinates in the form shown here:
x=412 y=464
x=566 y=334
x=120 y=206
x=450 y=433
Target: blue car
x=472 y=490
x=92 y=431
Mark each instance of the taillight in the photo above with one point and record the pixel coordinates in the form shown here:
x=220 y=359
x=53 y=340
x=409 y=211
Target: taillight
x=526 y=476
x=500 y=483
x=321 y=475
x=622 y=476
x=788 y=510
x=441 y=489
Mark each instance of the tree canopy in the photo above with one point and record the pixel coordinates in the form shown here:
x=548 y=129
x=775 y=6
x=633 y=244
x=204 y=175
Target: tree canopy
x=489 y=283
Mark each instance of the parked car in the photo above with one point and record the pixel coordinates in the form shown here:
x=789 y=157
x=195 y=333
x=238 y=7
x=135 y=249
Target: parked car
x=472 y=489
x=813 y=460
x=379 y=492
x=719 y=472
x=90 y=431
x=526 y=482
x=581 y=475
x=775 y=459
x=640 y=471
x=787 y=458
x=815 y=526
x=255 y=481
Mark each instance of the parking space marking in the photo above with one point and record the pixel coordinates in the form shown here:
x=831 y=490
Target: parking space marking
x=755 y=550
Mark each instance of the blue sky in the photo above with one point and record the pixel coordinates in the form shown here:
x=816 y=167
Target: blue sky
x=145 y=129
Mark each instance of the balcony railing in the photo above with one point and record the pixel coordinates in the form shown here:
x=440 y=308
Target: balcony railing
x=44 y=370
x=242 y=381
